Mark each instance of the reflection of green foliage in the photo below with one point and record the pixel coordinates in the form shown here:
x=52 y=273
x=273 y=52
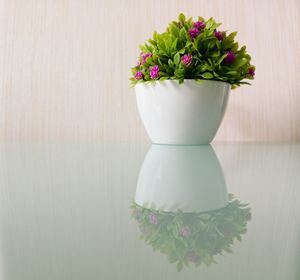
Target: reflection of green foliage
x=193 y=237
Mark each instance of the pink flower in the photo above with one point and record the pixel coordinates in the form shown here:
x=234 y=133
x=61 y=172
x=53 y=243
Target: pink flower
x=193 y=32
x=145 y=56
x=251 y=71
x=219 y=35
x=230 y=57
x=185 y=231
x=200 y=25
x=186 y=59
x=138 y=75
x=153 y=218
x=154 y=72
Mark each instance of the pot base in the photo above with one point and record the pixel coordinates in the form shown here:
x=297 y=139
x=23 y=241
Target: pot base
x=186 y=114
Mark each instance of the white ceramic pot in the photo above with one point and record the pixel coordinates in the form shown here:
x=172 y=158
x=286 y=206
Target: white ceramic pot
x=186 y=178
x=184 y=114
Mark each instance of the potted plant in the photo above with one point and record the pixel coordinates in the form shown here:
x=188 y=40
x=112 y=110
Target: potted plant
x=183 y=77
x=195 y=237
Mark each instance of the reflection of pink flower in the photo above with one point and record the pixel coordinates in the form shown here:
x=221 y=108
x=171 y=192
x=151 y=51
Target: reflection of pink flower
x=153 y=218
x=199 y=25
x=251 y=71
x=145 y=56
x=138 y=75
x=186 y=59
x=184 y=231
x=230 y=57
x=193 y=32
x=154 y=72
x=219 y=35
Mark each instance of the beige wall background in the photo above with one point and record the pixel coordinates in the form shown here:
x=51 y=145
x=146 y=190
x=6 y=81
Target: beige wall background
x=64 y=67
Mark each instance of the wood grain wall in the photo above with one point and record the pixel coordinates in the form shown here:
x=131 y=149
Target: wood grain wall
x=64 y=67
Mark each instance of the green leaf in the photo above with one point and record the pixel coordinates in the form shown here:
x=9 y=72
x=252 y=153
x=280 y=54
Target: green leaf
x=179 y=72
x=181 y=18
x=176 y=59
x=182 y=51
x=149 y=61
x=221 y=59
x=240 y=62
x=207 y=75
x=168 y=43
x=155 y=57
x=201 y=19
x=231 y=72
x=209 y=23
x=163 y=78
x=204 y=67
x=142 y=48
x=199 y=81
x=231 y=36
x=182 y=34
x=174 y=31
x=174 y=44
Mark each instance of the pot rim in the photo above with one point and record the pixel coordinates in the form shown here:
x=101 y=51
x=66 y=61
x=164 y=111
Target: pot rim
x=152 y=83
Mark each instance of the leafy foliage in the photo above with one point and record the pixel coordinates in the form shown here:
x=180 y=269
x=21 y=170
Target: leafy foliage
x=193 y=237
x=214 y=54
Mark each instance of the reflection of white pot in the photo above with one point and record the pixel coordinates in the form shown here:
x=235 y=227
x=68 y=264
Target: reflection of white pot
x=188 y=178
x=189 y=113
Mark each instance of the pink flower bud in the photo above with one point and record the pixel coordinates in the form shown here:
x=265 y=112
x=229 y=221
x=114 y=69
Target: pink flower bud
x=154 y=72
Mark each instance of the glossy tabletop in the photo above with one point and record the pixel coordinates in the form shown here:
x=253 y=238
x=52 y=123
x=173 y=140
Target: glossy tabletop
x=132 y=211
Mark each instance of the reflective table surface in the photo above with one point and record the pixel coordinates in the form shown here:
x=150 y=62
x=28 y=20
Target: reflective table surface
x=129 y=211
